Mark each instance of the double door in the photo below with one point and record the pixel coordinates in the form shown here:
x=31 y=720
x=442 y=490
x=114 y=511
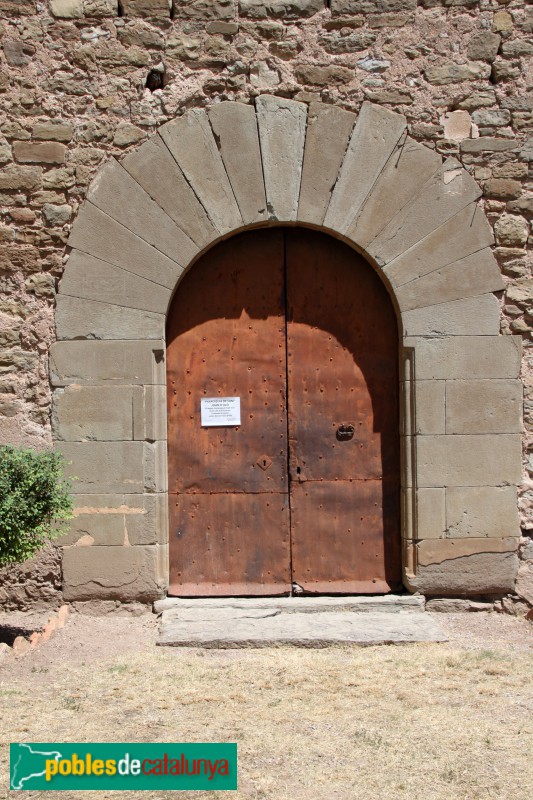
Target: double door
x=296 y=333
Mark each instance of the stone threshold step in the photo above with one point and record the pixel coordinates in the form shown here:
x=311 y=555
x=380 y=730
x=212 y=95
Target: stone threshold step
x=218 y=627
x=360 y=603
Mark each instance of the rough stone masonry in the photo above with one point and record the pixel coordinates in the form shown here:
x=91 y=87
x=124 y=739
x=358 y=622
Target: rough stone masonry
x=83 y=80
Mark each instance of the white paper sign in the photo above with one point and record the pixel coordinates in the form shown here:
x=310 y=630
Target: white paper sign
x=220 y=411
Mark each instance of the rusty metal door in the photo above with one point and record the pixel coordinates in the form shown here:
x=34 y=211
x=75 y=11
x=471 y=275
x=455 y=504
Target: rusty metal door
x=300 y=328
x=342 y=350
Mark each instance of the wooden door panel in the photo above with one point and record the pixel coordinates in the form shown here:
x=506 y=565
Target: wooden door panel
x=229 y=544
x=342 y=355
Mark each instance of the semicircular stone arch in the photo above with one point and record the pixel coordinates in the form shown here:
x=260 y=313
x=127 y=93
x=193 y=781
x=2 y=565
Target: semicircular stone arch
x=209 y=174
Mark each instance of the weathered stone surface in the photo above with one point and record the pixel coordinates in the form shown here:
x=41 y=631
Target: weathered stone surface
x=404 y=175
x=392 y=97
x=93 y=279
x=483 y=406
x=502 y=188
x=18 y=53
x=53 y=131
x=67 y=9
x=483 y=46
x=482 y=460
x=451 y=72
x=367 y=6
x=23 y=258
x=321 y=166
x=56 y=215
x=259 y=9
x=374 y=139
x=119 y=519
x=77 y=318
x=121 y=573
x=435 y=551
x=316 y=75
x=190 y=140
x=116 y=193
x=34 y=584
x=205 y=9
x=42 y=285
x=488 y=144
x=473 y=575
x=235 y=129
x=282 y=135
x=463 y=235
x=430 y=415
x=489 y=118
x=95 y=413
x=431 y=513
x=457 y=125
x=479 y=511
x=511 y=230
x=343 y=42
x=105 y=362
x=524 y=582
x=39 y=152
x=474 y=357
x=13 y=177
x=146 y=8
x=149 y=414
x=247 y=626
x=474 y=275
x=441 y=198
x=127 y=134
x=154 y=168
x=119 y=246
x=100 y=8
x=111 y=467
x=18 y=8
x=473 y=316
x=502 y=21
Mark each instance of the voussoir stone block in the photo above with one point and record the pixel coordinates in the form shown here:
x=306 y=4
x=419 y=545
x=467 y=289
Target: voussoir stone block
x=111 y=573
x=190 y=140
x=463 y=235
x=235 y=129
x=408 y=168
x=483 y=406
x=155 y=169
x=282 y=126
x=99 y=235
x=321 y=164
x=470 y=357
x=115 y=192
x=477 y=460
x=474 y=275
x=443 y=196
x=472 y=316
x=374 y=139
x=92 y=279
x=97 y=413
x=84 y=319
x=104 y=362
x=479 y=511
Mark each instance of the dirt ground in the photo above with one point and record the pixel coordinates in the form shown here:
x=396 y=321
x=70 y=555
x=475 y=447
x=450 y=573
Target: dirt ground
x=418 y=722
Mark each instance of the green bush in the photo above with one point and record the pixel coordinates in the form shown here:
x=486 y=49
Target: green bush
x=35 y=504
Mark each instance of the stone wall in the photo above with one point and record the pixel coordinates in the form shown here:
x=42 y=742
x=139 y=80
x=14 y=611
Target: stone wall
x=82 y=80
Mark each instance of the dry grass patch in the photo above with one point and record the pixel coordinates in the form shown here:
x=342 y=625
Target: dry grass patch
x=417 y=721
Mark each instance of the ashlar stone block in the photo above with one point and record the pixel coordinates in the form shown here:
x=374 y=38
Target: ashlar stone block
x=235 y=129
x=408 y=168
x=431 y=513
x=86 y=319
x=482 y=460
x=155 y=169
x=483 y=406
x=474 y=275
x=481 y=511
x=95 y=413
x=112 y=573
x=470 y=357
x=119 y=519
x=443 y=196
x=375 y=137
x=435 y=551
x=468 y=575
x=281 y=125
x=190 y=140
x=430 y=413
x=107 y=362
x=97 y=234
x=463 y=235
x=90 y=278
x=105 y=467
x=115 y=192
x=321 y=165
x=473 y=316
x=150 y=414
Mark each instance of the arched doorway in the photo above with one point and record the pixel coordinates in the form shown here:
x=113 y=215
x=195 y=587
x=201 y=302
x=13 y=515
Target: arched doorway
x=294 y=334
